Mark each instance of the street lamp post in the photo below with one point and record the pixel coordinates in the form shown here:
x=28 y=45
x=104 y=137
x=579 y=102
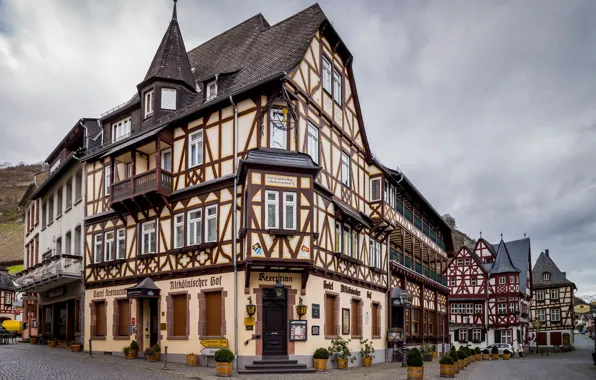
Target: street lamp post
x=406 y=301
x=442 y=329
x=537 y=324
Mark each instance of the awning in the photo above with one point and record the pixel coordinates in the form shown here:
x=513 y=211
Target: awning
x=144 y=289
x=350 y=212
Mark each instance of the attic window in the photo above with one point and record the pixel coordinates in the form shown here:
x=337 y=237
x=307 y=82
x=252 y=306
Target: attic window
x=168 y=98
x=546 y=276
x=148 y=103
x=211 y=92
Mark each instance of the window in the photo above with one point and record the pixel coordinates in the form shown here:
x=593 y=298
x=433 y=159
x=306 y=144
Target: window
x=107 y=180
x=195 y=149
x=460 y=262
x=415 y=320
x=123 y=317
x=109 y=246
x=346 y=239
x=327 y=75
x=337 y=86
x=476 y=335
x=541 y=315
x=540 y=295
x=77 y=241
x=478 y=308
x=98 y=248
x=356 y=318
x=345 y=169
x=121 y=244
x=148 y=238
x=546 y=276
x=69 y=193
x=512 y=279
x=330 y=317
x=473 y=281
x=338 y=241
x=166 y=160
x=194 y=227
x=554 y=294
x=375 y=316
x=454 y=309
x=59 y=203
x=148 y=103
x=502 y=280
x=511 y=307
x=272 y=213
x=355 y=244
x=463 y=335
x=555 y=315
x=313 y=142
x=168 y=98
x=100 y=318
x=452 y=281
x=277 y=129
x=375 y=189
x=178 y=231
x=44 y=214
x=506 y=336
x=469 y=308
x=210 y=224
x=78 y=185
x=211 y=90
x=121 y=129
x=67 y=243
x=180 y=311
x=290 y=211
x=213 y=303
x=467 y=261
x=375 y=254
x=58 y=246
x=502 y=308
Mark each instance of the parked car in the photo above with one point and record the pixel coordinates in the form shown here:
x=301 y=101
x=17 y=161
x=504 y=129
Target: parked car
x=502 y=347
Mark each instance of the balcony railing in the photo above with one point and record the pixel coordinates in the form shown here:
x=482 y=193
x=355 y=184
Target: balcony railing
x=56 y=268
x=141 y=184
x=407 y=262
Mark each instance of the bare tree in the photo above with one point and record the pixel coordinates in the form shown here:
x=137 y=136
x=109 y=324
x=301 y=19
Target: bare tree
x=450 y=220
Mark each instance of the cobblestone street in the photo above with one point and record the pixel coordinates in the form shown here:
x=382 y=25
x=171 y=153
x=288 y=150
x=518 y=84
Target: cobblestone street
x=24 y=361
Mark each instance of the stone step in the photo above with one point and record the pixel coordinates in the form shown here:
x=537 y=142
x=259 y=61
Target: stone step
x=273 y=366
x=275 y=361
x=277 y=370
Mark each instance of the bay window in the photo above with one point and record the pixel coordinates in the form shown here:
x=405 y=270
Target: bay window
x=290 y=211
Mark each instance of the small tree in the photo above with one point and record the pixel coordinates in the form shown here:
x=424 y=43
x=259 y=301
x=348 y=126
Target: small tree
x=447 y=359
x=477 y=350
x=495 y=350
x=414 y=358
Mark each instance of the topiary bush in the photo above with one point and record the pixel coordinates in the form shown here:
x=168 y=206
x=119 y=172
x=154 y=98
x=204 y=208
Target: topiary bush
x=477 y=350
x=486 y=351
x=494 y=350
x=224 y=355
x=453 y=356
x=321 y=353
x=414 y=358
x=461 y=355
x=507 y=352
x=446 y=360
x=134 y=345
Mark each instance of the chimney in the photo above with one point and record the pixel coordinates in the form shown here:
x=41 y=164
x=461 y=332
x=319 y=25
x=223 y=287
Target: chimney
x=546 y=252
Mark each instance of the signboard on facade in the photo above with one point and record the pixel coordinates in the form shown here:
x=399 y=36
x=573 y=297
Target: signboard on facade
x=280 y=181
x=298 y=331
x=209 y=351
x=316 y=311
x=57 y=292
x=315 y=330
x=214 y=343
x=29 y=298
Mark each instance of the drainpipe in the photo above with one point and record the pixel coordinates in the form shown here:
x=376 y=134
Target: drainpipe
x=235 y=233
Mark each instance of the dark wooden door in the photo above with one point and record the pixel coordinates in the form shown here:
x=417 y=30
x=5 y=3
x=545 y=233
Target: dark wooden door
x=153 y=322
x=274 y=323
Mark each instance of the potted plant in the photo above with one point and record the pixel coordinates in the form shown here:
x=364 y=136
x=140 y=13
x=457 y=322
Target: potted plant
x=321 y=357
x=52 y=342
x=192 y=360
x=341 y=353
x=506 y=354
x=33 y=339
x=415 y=364
x=494 y=353
x=477 y=353
x=485 y=354
x=462 y=358
x=134 y=348
x=223 y=362
x=433 y=351
x=453 y=356
x=129 y=353
x=367 y=352
x=75 y=346
x=447 y=367
x=425 y=350
x=152 y=353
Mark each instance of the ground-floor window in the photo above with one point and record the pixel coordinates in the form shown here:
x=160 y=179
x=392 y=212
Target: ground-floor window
x=375 y=319
x=122 y=317
x=212 y=313
x=506 y=336
x=98 y=315
x=415 y=321
x=477 y=335
x=463 y=335
x=330 y=317
x=356 y=318
x=178 y=315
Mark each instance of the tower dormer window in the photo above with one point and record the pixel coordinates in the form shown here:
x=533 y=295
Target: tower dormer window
x=546 y=276
x=148 y=103
x=211 y=92
x=168 y=98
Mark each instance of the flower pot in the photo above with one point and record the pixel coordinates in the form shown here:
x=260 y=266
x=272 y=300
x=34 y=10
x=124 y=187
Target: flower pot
x=477 y=357
x=506 y=356
x=415 y=373
x=494 y=356
x=367 y=361
x=485 y=356
x=456 y=367
x=33 y=340
x=192 y=360
x=223 y=369
x=131 y=354
x=154 y=357
x=76 y=348
x=52 y=343
x=435 y=354
x=447 y=370
x=342 y=363
x=428 y=357
x=321 y=364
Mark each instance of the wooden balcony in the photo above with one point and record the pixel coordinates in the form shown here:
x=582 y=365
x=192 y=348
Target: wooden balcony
x=145 y=184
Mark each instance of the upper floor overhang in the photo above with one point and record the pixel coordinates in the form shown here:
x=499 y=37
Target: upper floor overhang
x=55 y=271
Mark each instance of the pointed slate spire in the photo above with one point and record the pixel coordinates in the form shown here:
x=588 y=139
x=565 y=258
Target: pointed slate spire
x=171 y=61
x=503 y=262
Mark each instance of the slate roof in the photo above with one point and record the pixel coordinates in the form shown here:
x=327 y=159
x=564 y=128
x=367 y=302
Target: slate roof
x=503 y=262
x=279 y=157
x=6 y=282
x=170 y=60
x=546 y=264
x=519 y=251
x=147 y=283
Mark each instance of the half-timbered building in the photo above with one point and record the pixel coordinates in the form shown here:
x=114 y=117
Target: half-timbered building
x=552 y=304
x=490 y=293
x=7 y=295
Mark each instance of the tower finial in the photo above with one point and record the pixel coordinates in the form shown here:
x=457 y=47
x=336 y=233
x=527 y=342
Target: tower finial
x=480 y=234
x=174 y=15
x=501 y=236
x=524 y=235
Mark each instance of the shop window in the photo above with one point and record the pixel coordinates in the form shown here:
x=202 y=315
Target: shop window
x=213 y=320
x=180 y=315
x=415 y=321
x=356 y=319
x=330 y=317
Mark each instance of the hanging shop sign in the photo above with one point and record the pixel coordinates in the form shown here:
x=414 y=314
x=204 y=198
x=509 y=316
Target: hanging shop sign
x=298 y=331
x=214 y=343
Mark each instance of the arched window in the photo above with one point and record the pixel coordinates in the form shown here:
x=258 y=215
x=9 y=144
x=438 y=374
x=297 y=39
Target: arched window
x=546 y=276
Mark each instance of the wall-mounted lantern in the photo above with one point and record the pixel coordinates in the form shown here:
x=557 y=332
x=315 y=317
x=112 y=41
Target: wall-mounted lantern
x=301 y=309
x=251 y=308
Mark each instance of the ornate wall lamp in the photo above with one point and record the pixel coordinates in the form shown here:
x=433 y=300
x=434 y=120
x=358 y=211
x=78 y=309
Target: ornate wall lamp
x=251 y=308
x=301 y=309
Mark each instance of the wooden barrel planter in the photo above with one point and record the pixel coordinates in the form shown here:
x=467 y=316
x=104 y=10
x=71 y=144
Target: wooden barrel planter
x=506 y=356
x=447 y=370
x=33 y=340
x=485 y=356
x=223 y=369
x=478 y=357
x=494 y=356
x=131 y=354
x=321 y=364
x=52 y=343
x=367 y=361
x=415 y=373
x=342 y=363
x=154 y=357
x=192 y=360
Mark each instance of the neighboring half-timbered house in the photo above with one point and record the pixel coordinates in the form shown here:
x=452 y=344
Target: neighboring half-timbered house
x=240 y=174
x=7 y=296
x=552 y=304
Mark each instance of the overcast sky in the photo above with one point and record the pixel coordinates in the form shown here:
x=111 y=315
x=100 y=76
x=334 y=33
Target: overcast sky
x=489 y=107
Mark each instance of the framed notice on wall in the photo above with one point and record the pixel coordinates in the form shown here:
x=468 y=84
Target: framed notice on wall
x=345 y=321
x=298 y=331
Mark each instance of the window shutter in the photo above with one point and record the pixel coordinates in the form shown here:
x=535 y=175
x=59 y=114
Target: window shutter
x=497 y=336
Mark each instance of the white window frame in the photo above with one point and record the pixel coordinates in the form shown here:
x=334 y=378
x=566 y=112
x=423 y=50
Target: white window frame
x=163 y=154
x=354 y=244
x=178 y=237
x=121 y=129
x=502 y=308
x=283 y=131
x=210 y=93
x=460 y=262
x=291 y=216
x=469 y=309
x=554 y=294
x=452 y=281
x=478 y=308
x=149 y=233
x=168 y=98
x=473 y=281
x=109 y=251
x=463 y=335
x=555 y=315
x=346 y=239
x=541 y=315
x=539 y=295
x=107 y=179
x=454 y=309
x=196 y=223
x=506 y=336
x=313 y=142
x=375 y=196
x=148 y=103
x=121 y=248
x=476 y=335
x=197 y=158
x=512 y=279
x=209 y=218
x=345 y=168
x=467 y=261
x=546 y=276
x=337 y=86
x=327 y=75
x=338 y=237
x=272 y=224
x=502 y=280
x=97 y=248
x=375 y=254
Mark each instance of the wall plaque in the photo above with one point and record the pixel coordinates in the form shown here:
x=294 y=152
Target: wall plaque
x=280 y=180
x=316 y=311
x=314 y=330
